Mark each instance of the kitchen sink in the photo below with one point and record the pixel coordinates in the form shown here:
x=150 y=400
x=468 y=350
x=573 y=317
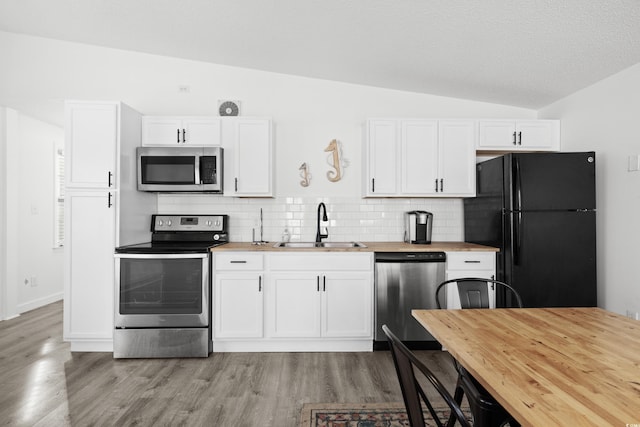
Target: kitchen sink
x=319 y=245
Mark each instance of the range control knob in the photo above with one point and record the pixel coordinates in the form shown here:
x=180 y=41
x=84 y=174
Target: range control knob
x=168 y=223
x=216 y=237
x=209 y=223
x=159 y=223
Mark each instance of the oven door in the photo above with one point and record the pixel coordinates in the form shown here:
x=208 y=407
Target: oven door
x=162 y=290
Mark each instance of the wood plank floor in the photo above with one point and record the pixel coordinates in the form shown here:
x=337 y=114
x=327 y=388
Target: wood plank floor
x=43 y=384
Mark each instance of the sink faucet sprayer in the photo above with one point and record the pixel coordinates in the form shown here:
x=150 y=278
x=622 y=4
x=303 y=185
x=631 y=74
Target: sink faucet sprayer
x=319 y=235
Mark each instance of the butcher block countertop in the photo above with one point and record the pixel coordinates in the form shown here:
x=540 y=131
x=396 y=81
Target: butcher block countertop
x=371 y=247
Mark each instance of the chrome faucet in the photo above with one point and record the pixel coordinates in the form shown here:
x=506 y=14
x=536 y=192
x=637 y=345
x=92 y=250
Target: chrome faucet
x=319 y=235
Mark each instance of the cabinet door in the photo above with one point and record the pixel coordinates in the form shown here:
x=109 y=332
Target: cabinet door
x=381 y=147
x=202 y=131
x=89 y=265
x=538 y=134
x=347 y=302
x=497 y=134
x=457 y=158
x=419 y=157
x=294 y=305
x=238 y=305
x=253 y=158
x=161 y=131
x=91 y=145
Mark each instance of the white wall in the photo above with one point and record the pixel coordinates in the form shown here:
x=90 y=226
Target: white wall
x=604 y=118
x=3 y=215
x=28 y=223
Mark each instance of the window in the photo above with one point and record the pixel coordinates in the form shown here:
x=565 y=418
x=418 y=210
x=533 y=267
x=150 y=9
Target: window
x=58 y=207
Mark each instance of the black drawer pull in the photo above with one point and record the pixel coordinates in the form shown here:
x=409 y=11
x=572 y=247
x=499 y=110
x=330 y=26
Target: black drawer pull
x=238 y=262
x=472 y=262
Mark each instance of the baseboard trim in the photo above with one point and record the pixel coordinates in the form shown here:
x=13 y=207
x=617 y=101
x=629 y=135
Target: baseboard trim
x=40 y=302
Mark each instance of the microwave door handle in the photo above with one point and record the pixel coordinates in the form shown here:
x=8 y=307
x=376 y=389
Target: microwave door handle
x=197 y=171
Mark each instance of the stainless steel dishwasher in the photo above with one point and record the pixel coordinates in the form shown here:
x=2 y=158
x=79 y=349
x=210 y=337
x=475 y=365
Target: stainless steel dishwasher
x=406 y=281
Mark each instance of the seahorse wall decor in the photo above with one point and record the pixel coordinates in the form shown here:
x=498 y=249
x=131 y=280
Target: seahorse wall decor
x=305 y=175
x=337 y=162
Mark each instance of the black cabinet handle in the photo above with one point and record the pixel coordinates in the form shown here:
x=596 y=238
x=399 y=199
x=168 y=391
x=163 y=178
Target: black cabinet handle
x=178 y=141
x=519 y=138
x=184 y=138
x=373 y=185
x=238 y=262
x=514 y=138
x=436 y=185
x=109 y=204
x=236 y=183
x=109 y=176
x=259 y=283
x=471 y=262
x=441 y=185
x=318 y=283
x=324 y=283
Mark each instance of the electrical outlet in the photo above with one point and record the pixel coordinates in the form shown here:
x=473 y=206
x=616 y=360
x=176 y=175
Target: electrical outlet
x=34 y=281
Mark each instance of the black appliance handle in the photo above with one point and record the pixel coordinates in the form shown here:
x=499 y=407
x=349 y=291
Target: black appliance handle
x=517 y=185
x=517 y=230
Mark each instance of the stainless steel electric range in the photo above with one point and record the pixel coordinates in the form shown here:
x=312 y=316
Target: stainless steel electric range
x=163 y=288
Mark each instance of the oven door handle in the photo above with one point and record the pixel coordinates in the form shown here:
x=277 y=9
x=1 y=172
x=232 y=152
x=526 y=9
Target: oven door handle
x=161 y=256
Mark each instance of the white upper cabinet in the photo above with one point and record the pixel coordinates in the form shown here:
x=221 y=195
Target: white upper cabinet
x=91 y=134
x=179 y=131
x=420 y=158
x=519 y=135
x=381 y=158
x=248 y=158
x=457 y=157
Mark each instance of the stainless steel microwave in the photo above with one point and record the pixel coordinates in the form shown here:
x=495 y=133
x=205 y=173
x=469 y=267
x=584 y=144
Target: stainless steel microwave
x=180 y=169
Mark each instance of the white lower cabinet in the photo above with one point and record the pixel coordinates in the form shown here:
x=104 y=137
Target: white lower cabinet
x=312 y=302
x=88 y=302
x=238 y=296
x=469 y=264
x=331 y=304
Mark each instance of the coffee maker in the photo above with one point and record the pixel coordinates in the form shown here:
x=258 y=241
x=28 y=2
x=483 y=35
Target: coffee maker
x=417 y=228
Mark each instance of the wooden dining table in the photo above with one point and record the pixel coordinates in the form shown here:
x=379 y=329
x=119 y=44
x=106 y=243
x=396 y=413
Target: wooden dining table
x=548 y=366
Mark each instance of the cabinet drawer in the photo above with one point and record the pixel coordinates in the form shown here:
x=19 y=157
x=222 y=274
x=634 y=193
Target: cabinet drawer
x=238 y=261
x=312 y=262
x=471 y=260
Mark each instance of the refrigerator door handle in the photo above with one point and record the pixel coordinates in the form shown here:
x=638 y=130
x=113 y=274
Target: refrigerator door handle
x=517 y=185
x=517 y=230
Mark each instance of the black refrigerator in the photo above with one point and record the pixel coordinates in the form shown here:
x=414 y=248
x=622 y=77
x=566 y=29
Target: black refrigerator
x=539 y=209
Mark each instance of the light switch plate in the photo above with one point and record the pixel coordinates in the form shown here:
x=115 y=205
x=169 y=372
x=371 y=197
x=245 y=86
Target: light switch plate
x=634 y=163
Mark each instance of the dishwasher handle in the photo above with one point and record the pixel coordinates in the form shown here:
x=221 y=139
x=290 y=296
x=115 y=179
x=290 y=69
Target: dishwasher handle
x=410 y=257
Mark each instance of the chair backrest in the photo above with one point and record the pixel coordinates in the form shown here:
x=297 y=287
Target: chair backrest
x=412 y=392
x=474 y=292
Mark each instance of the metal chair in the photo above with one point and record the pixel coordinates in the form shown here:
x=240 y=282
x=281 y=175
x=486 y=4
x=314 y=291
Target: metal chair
x=412 y=392
x=474 y=294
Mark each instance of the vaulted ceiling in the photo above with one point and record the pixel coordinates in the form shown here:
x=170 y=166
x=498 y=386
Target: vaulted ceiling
x=526 y=53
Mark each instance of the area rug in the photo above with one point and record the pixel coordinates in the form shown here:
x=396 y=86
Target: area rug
x=362 y=415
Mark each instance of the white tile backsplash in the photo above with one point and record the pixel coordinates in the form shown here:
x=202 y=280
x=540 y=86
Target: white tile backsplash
x=369 y=220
